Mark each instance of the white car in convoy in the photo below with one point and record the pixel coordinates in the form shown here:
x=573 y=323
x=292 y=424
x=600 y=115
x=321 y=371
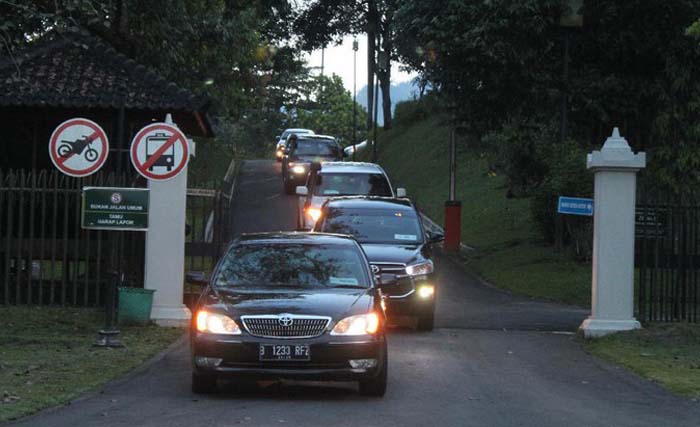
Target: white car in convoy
x=333 y=179
x=282 y=140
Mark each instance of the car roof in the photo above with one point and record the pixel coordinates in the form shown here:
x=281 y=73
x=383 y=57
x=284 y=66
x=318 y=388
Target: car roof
x=314 y=136
x=350 y=167
x=371 y=202
x=296 y=237
x=307 y=131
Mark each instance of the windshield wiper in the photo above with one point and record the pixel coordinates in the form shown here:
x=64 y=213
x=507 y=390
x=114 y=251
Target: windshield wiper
x=348 y=287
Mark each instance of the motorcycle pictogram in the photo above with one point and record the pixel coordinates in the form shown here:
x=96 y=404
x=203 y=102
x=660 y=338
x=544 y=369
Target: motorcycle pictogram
x=78 y=147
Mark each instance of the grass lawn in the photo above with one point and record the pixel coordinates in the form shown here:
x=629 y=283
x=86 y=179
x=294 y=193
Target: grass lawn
x=47 y=358
x=509 y=252
x=666 y=353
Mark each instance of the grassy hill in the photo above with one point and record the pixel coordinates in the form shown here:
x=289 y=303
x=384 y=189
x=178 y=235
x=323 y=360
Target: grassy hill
x=508 y=251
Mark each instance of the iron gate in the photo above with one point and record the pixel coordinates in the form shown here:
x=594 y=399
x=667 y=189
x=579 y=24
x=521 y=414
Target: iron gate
x=46 y=258
x=667 y=254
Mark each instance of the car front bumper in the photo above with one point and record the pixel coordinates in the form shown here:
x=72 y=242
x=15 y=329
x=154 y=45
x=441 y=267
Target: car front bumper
x=330 y=357
x=413 y=303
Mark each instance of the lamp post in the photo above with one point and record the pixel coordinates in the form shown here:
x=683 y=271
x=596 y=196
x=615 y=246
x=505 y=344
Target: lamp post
x=354 y=97
x=570 y=19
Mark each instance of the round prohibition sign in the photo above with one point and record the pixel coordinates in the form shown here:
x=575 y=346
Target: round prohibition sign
x=159 y=151
x=78 y=147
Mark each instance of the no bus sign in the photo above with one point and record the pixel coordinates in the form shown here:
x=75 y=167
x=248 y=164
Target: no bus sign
x=78 y=147
x=159 y=151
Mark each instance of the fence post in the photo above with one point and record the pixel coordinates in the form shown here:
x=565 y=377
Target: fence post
x=612 y=307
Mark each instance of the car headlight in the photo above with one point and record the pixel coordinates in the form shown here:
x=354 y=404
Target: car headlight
x=425 y=267
x=299 y=169
x=313 y=213
x=216 y=324
x=362 y=324
x=426 y=291
x=279 y=153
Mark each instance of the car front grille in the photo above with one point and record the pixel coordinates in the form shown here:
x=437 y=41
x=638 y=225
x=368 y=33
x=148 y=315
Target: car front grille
x=285 y=325
x=396 y=282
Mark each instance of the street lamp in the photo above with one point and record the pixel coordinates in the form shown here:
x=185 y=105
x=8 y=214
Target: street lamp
x=570 y=19
x=355 y=46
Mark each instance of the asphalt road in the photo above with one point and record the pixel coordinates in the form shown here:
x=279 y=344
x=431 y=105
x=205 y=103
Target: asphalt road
x=494 y=360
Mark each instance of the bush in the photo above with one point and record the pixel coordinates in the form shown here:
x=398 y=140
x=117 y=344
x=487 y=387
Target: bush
x=566 y=176
x=409 y=112
x=514 y=151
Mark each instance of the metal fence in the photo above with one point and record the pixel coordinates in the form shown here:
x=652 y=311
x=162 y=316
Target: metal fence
x=46 y=258
x=667 y=258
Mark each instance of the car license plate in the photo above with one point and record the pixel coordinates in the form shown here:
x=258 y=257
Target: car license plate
x=291 y=352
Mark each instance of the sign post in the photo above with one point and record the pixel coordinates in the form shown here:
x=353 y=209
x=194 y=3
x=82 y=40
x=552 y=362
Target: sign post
x=113 y=209
x=160 y=153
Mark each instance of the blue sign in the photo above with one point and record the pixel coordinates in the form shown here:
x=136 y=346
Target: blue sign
x=575 y=206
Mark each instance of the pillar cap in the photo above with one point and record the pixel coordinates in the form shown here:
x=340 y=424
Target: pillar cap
x=616 y=154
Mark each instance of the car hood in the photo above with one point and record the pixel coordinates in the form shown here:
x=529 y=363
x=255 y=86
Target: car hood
x=313 y=159
x=399 y=254
x=335 y=303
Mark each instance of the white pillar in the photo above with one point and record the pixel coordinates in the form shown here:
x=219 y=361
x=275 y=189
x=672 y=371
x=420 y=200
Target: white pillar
x=612 y=305
x=165 y=249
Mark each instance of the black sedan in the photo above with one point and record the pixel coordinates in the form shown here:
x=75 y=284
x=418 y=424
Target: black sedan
x=392 y=236
x=308 y=149
x=291 y=305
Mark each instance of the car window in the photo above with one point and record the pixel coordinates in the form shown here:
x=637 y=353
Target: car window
x=352 y=184
x=374 y=226
x=312 y=147
x=275 y=265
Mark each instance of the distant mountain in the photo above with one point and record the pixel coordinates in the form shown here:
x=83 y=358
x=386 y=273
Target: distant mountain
x=399 y=92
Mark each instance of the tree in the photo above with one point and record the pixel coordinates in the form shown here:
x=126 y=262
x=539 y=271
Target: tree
x=327 y=109
x=327 y=21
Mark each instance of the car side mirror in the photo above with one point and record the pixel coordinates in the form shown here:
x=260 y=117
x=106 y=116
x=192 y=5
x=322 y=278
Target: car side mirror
x=197 y=278
x=302 y=190
x=400 y=192
x=278 y=137
x=434 y=237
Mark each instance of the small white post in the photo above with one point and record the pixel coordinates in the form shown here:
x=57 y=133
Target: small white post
x=165 y=248
x=612 y=305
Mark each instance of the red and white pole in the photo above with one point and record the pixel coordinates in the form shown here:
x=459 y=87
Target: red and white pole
x=453 y=207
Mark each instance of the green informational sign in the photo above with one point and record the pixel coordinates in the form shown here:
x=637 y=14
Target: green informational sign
x=108 y=208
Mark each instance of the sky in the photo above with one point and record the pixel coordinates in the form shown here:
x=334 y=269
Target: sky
x=338 y=60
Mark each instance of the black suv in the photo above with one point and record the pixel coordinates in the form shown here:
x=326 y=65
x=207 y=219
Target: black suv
x=398 y=247
x=291 y=305
x=308 y=149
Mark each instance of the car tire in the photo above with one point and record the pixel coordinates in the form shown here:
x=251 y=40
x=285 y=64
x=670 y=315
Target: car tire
x=376 y=387
x=203 y=384
x=426 y=320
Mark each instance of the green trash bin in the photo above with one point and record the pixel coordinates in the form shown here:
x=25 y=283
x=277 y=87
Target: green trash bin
x=134 y=305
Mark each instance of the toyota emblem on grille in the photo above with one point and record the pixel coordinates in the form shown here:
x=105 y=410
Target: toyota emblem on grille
x=375 y=269
x=285 y=320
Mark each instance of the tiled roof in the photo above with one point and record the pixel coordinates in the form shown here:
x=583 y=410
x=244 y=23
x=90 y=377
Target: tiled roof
x=78 y=70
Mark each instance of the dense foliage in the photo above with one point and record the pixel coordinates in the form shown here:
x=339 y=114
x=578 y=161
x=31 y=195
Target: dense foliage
x=499 y=68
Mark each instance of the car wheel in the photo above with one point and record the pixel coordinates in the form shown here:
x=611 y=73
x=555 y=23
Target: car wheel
x=376 y=387
x=202 y=384
x=426 y=320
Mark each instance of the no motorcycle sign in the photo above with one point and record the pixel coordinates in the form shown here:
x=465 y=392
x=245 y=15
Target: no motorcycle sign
x=159 y=151
x=78 y=147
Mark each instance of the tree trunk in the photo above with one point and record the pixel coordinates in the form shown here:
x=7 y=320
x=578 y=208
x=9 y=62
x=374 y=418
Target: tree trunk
x=385 y=74
x=372 y=17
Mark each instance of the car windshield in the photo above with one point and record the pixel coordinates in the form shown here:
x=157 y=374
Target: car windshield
x=287 y=265
x=375 y=226
x=352 y=184
x=315 y=147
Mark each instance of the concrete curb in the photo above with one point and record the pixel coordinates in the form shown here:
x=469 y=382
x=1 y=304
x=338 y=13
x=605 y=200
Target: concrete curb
x=111 y=383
